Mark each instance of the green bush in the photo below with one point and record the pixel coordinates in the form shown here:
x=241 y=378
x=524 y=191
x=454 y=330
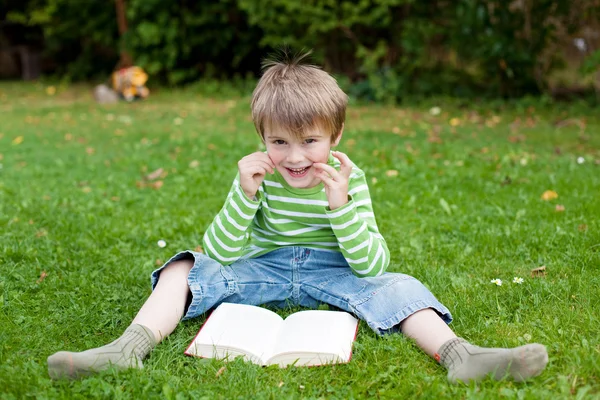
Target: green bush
x=384 y=50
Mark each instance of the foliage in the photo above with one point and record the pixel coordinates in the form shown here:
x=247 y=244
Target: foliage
x=383 y=50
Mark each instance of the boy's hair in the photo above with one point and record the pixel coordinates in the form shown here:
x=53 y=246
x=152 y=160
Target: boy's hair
x=297 y=96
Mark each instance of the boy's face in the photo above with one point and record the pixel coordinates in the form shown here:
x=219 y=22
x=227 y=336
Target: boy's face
x=294 y=158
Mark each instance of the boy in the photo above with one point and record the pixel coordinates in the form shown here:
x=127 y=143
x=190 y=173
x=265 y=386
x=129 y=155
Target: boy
x=298 y=227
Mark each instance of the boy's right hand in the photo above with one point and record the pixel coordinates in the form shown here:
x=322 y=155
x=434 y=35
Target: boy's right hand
x=252 y=171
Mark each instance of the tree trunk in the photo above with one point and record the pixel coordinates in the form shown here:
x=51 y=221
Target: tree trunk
x=125 y=60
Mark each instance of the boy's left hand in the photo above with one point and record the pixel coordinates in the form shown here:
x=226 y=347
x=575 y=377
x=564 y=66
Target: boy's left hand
x=336 y=182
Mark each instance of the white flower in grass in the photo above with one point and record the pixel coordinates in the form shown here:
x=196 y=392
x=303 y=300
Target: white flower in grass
x=161 y=243
x=497 y=282
x=435 y=111
x=518 y=280
x=580 y=160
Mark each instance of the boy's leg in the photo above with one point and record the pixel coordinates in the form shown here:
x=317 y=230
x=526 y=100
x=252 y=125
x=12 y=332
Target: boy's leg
x=466 y=362
x=397 y=301
x=157 y=318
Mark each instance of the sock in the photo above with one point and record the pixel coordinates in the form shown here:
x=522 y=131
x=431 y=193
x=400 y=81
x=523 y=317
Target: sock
x=466 y=362
x=125 y=352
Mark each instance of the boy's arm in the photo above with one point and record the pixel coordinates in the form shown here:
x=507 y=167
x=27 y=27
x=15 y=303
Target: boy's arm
x=355 y=227
x=225 y=237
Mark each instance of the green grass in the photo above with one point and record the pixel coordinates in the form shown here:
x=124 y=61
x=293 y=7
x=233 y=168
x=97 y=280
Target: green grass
x=465 y=208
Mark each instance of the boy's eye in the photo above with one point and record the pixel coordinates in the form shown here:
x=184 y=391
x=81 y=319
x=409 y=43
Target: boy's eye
x=308 y=141
x=279 y=141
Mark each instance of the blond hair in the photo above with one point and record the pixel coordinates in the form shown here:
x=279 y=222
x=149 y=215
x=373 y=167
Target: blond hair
x=297 y=97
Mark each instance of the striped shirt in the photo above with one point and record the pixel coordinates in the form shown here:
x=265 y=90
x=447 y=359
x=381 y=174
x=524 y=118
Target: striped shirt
x=285 y=216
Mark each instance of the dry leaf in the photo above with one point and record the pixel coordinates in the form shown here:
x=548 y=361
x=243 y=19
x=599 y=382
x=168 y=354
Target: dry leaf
x=219 y=372
x=391 y=172
x=454 y=122
x=68 y=137
x=396 y=130
x=559 y=208
x=582 y=228
x=115 y=198
x=156 y=185
x=549 y=195
x=17 y=140
x=199 y=249
x=158 y=262
x=40 y=233
x=211 y=146
x=537 y=272
x=90 y=150
x=43 y=276
x=154 y=175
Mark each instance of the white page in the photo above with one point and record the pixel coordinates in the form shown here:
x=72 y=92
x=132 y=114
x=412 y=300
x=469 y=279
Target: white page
x=250 y=328
x=317 y=331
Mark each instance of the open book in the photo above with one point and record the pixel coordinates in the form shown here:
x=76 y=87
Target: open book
x=313 y=337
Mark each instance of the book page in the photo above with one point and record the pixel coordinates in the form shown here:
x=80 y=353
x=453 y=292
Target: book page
x=318 y=332
x=240 y=327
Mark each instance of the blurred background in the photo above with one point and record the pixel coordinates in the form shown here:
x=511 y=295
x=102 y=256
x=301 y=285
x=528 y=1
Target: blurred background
x=380 y=50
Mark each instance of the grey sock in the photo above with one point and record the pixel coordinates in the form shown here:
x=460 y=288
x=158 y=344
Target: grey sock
x=125 y=352
x=466 y=362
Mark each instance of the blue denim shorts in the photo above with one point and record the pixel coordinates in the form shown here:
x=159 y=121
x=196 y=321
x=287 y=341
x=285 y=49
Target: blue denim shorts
x=298 y=276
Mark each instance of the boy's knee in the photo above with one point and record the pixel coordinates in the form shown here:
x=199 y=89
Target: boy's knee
x=178 y=267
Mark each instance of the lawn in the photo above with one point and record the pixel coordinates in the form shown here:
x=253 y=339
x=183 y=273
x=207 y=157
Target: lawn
x=465 y=194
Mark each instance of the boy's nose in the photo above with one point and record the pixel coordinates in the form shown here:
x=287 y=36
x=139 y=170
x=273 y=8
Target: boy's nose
x=295 y=156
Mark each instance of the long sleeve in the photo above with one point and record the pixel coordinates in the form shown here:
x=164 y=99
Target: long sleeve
x=355 y=227
x=226 y=236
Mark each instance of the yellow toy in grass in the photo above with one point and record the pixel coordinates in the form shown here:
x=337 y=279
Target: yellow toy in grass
x=130 y=83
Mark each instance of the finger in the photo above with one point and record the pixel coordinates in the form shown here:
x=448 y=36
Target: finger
x=258 y=163
x=258 y=155
x=345 y=163
x=326 y=179
x=329 y=170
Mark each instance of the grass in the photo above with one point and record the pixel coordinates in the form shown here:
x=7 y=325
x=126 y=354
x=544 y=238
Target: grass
x=79 y=229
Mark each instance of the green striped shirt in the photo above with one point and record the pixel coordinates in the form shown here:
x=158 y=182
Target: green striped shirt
x=285 y=216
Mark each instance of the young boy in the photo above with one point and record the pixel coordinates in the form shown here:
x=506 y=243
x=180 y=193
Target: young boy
x=298 y=228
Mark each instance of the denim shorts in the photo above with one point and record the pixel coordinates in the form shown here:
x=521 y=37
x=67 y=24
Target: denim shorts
x=299 y=276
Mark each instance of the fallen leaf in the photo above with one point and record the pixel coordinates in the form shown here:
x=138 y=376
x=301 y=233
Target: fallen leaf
x=157 y=184
x=41 y=233
x=68 y=137
x=220 y=371
x=90 y=150
x=154 y=175
x=50 y=90
x=43 y=276
x=454 y=122
x=559 y=208
x=396 y=130
x=158 y=262
x=549 y=195
x=115 y=198
x=17 y=140
x=211 y=146
x=199 y=249
x=582 y=228
x=391 y=172
x=539 y=271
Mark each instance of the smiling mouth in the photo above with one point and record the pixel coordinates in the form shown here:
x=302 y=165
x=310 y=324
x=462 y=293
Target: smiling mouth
x=298 y=172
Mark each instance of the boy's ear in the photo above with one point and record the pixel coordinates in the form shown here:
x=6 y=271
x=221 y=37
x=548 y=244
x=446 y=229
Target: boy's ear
x=339 y=136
